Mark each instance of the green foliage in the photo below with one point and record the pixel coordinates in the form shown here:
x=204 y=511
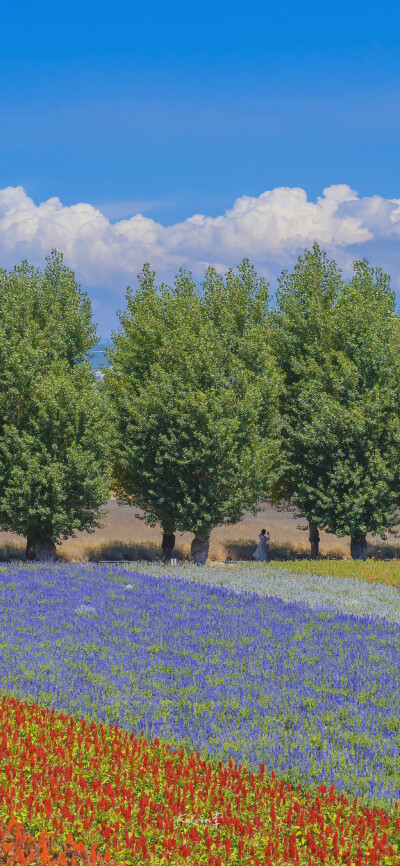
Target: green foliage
x=48 y=307
x=53 y=437
x=301 y=326
x=301 y=337
x=357 y=418
x=342 y=405
x=194 y=398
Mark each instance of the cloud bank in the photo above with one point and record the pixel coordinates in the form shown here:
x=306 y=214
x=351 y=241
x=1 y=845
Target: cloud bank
x=270 y=230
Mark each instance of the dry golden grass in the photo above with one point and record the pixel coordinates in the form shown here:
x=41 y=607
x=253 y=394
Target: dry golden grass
x=125 y=536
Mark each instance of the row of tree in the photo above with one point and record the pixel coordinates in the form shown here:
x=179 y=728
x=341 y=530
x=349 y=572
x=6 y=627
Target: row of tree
x=213 y=403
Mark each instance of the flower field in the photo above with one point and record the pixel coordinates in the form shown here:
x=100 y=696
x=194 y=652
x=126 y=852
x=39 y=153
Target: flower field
x=373 y=571
x=246 y=714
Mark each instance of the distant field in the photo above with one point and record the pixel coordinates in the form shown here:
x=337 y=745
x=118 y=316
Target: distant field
x=125 y=536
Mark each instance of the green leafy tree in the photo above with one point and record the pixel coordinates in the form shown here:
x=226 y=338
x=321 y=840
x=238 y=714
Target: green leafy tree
x=301 y=329
x=349 y=417
x=54 y=444
x=342 y=411
x=197 y=428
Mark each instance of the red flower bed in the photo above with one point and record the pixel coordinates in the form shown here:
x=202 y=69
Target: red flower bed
x=74 y=793
x=16 y=847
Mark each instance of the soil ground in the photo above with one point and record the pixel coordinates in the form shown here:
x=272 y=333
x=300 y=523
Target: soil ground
x=125 y=536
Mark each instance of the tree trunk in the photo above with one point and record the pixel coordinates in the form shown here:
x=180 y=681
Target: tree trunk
x=168 y=545
x=358 y=546
x=313 y=538
x=40 y=549
x=200 y=546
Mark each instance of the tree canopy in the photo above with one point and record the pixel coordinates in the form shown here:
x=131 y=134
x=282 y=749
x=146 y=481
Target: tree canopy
x=197 y=426
x=358 y=417
x=342 y=413
x=53 y=433
x=213 y=402
x=301 y=329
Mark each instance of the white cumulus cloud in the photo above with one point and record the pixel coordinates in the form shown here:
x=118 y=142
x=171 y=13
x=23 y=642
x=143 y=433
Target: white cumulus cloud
x=270 y=230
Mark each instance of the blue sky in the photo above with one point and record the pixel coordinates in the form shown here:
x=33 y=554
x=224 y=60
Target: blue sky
x=173 y=110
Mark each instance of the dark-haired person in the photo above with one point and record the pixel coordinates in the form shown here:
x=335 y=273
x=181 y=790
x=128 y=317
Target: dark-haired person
x=262 y=551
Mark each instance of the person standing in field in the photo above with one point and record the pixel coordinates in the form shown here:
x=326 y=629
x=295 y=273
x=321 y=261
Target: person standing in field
x=262 y=551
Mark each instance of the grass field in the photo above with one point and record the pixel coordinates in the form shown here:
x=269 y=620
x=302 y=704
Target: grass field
x=372 y=571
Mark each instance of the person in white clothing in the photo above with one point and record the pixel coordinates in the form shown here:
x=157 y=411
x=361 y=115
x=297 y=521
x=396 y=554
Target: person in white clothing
x=262 y=551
